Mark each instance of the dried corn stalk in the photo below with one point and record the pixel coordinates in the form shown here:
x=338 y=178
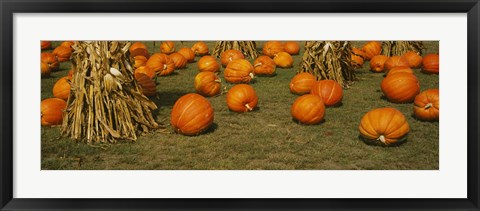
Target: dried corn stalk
x=248 y=48
x=398 y=48
x=106 y=104
x=329 y=60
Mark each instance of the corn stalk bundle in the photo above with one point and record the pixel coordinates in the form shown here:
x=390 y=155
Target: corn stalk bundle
x=105 y=104
x=398 y=48
x=248 y=48
x=329 y=60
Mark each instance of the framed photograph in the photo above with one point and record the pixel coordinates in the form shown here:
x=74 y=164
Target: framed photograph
x=267 y=105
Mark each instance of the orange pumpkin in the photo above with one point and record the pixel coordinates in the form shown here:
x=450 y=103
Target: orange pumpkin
x=139 y=61
x=291 y=47
x=61 y=89
x=329 y=90
x=70 y=73
x=145 y=70
x=241 y=98
x=147 y=84
x=230 y=55
x=430 y=64
x=426 y=105
x=62 y=53
x=372 y=49
x=50 y=60
x=413 y=58
x=239 y=71
x=192 y=114
x=187 y=53
x=161 y=63
x=138 y=49
x=271 y=48
x=377 y=63
x=283 y=60
x=200 y=48
x=45 y=45
x=208 y=64
x=207 y=84
x=399 y=70
x=400 y=87
x=308 y=109
x=179 y=60
x=264 y=65
x=45 y=69
x=167 y=47
x=67 y=44
x=137 y=45
x=52 y=111
x=384 y=126
x=357 y=56
x=396 y=61
x=302 y=83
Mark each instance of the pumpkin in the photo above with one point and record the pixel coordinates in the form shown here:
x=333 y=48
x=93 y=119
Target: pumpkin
x=396 y=61
x=208 y=64
x=271 y=48
x=283 y=60
x=207 y=84
x=67 y=44
x=45 y=45
x=148 y=85
x=377 y=63
x=45 y=69
x=50 y=60
x=145 y=70
x=329 y=90
x=400 y=87
x=138 y=49
x=192 y=114
x=187 y=53
x=430 y=64
x=426 y=105
x=291 y=47
x=70 y=73
x=264 y=65
x=413 y=58
x=372 y=49
x=161 y=64
x=308 y=109
x=239 y=71
x=357 y=56
x=384 y=126
x=399 y=70
x=61 y=88
x=167 y=47
x=200 y=48
x=62 y=53
x=139 y=61
x=179 y=60
x=241 y=98
x=137 y=45
x=52 y=111
x=302 y=83
x=230 y=55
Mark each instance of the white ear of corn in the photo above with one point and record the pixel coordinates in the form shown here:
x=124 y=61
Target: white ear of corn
x=115 y=72
x=109 y=82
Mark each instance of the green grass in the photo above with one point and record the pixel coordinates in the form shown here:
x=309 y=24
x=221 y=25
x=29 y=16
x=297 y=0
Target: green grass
x=267 y=138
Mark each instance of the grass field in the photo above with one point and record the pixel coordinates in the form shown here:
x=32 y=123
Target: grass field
x=265 y=139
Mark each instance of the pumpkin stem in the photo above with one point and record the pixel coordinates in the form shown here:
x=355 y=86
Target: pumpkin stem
x=248 y=107
x=258 y=64
x=381 y=138
x=230 y=58
x=165 y=66
x=218 y=80
x=428 y=106
x=251 y=75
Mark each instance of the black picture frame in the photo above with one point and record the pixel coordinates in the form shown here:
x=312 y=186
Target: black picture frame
x=9 y=7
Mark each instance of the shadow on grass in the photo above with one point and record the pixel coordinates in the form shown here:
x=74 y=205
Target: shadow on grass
x=298 y=122
x=167 y=98
x=380 y=144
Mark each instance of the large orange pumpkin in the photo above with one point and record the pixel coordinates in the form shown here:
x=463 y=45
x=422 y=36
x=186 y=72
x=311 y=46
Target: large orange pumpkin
x=67 y=44
x=271 y=48
x=283 y=60
x=61 y=89
x=239 y=71
x=161 y=63
x=384 y=126
x=187 y=53
x=148 y=85
x=357 y=56
x=179 y=60
x=52 y=111
x=372 y=49
x=400 y=87
x=230 y=55
x=200 y=48
x=377 y=63
x=207 y=84
x=431 y=64
x=167 y=47
x=139 y=49
x=50 y=60
x=242 y=98
x=291 y=47
x=413 y=58
x=329 y=90
x=302 y=83
x=308 y=109
x=137 y=45
x=264 y=65
x=192 y=114
x=396 y=61
x=399 y=70
x=145 y=70
x=62 y=53
x=139 y=61
x=426 y=105
x=45 y=45
x=45 y=69
x=208 y=64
